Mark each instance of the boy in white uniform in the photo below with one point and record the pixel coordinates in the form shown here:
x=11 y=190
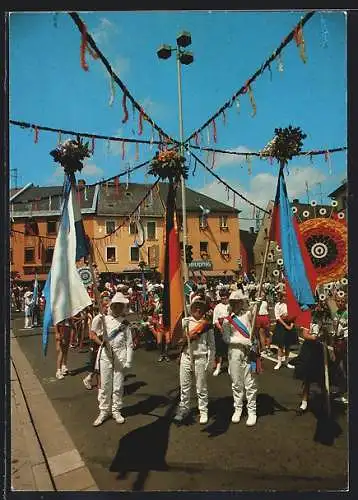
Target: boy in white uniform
x=236 y=333
x=29 y=304
x=221 y=311
x=203 y=351
x=114 y=356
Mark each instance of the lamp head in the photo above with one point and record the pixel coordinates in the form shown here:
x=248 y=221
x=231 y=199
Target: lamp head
x=164 y=52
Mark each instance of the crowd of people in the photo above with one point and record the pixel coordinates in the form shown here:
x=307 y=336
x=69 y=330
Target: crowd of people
x=229 y=324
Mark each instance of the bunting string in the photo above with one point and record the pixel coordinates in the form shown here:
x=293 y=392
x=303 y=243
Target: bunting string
x=259 y=72
x=86 y=38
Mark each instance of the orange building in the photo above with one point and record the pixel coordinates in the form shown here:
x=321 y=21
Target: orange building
x=35 y=211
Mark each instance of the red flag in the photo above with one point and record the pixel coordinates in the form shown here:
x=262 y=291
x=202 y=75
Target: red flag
x=173 y=287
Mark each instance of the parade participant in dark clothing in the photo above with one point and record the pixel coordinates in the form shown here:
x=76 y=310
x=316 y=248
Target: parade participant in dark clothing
x=284 y=335
x=309 y=364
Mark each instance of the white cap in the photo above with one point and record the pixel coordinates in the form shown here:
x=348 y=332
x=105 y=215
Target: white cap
x=28 y=293
x=119 y=298
x=237 y=295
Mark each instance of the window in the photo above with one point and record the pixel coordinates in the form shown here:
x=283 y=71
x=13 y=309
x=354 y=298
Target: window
x=204 y=247
x=49 y=255
x=29 y=255
x=51 y=227
x=223 y=222
x=224 y=248
x=133 y=228
x=151 y=230
x=203 y=222
x=111 y=254
x=110 y=226
x=134 y=254
x=31 y=229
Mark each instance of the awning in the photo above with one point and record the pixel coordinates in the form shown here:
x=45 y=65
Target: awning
x=215 y=273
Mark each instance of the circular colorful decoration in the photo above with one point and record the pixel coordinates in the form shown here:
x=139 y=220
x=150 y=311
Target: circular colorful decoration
x=313 y=203
x=306 y=213
x=270 y=257
x=326 y=242
x=276 y=272
x=340 y=215
x=340 y=294
x=294 y=210
x=322 y=296
x=344 y=281
x=278 y=249
x=334 y=203
x=86 y=275
x=322 y=211
x=329 y=286
x=280 y=262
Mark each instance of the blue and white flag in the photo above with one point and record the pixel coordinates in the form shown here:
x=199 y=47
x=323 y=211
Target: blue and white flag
x=64 y=292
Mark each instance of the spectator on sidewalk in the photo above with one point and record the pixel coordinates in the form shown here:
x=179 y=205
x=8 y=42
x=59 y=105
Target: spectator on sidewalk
x=29 y=305
x=263 y=325
x=114 y=356
x=284 y=333
x=62 y=336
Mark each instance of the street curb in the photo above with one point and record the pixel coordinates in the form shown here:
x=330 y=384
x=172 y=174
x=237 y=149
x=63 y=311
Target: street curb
x=54 y=461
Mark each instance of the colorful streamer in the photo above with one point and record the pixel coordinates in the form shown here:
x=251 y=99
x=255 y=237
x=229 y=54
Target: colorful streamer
x=252 y=101
x=84 y=65
x=124 y=106
x=112 y=89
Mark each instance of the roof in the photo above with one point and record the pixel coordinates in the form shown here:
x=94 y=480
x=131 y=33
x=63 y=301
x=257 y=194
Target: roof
x=118 y=200
x=342 y=188
x=49 y=199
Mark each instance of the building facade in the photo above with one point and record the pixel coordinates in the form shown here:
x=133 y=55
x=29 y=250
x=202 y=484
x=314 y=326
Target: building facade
x=120 y=243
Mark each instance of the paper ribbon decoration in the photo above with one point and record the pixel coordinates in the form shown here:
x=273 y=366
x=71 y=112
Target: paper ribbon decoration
x=194 y=170
x=238 y=105
x=214 y=131
x=280 y=66
x=123 y=150
x=213 y=160
x=93 y=53
x=108 y=146
x=116 y=184
x=84 y=65
x=249 y=164
x=208 y=136
x=36 y=135
x=124 y=106
x=140 y=124
x=196 y=138
x=327 y=158
x=151 y=139
x=136 y=151
x=112 y=89
x=252 y=101
x=298 y=36
x=224 y=117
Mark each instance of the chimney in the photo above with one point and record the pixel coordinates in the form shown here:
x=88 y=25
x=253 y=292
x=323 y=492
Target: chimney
x=296 y=200
x=252 y=230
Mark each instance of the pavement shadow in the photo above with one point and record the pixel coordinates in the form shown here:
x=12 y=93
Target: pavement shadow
x=133 y=387
x=267 y=405
x=327 y=427
x=221 y=409
x=144 y=449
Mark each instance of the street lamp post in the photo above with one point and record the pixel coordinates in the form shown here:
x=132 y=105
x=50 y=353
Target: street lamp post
x=182 y=57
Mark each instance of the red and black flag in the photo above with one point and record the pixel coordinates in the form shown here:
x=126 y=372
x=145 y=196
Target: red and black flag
x=173 y=305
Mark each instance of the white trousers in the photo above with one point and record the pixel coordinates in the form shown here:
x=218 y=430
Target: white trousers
x=186 y=375
x=243 y=380
x=110 y=395
x=28 y=321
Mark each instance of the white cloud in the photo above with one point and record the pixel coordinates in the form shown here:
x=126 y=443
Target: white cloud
x=91 y=170
x=262 y=189
x=104 y=31
x=222 y=159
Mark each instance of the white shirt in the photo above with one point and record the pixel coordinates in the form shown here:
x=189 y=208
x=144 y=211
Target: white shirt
x=280 y=310
x=263 y=311
x=220 y=311
x=204 y=344
x=119 y=336
x=231 y=335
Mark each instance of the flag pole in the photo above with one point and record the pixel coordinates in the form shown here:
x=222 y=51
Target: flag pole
x=264 y=265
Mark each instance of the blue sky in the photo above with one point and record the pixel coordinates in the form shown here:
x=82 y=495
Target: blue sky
x=49 y=87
